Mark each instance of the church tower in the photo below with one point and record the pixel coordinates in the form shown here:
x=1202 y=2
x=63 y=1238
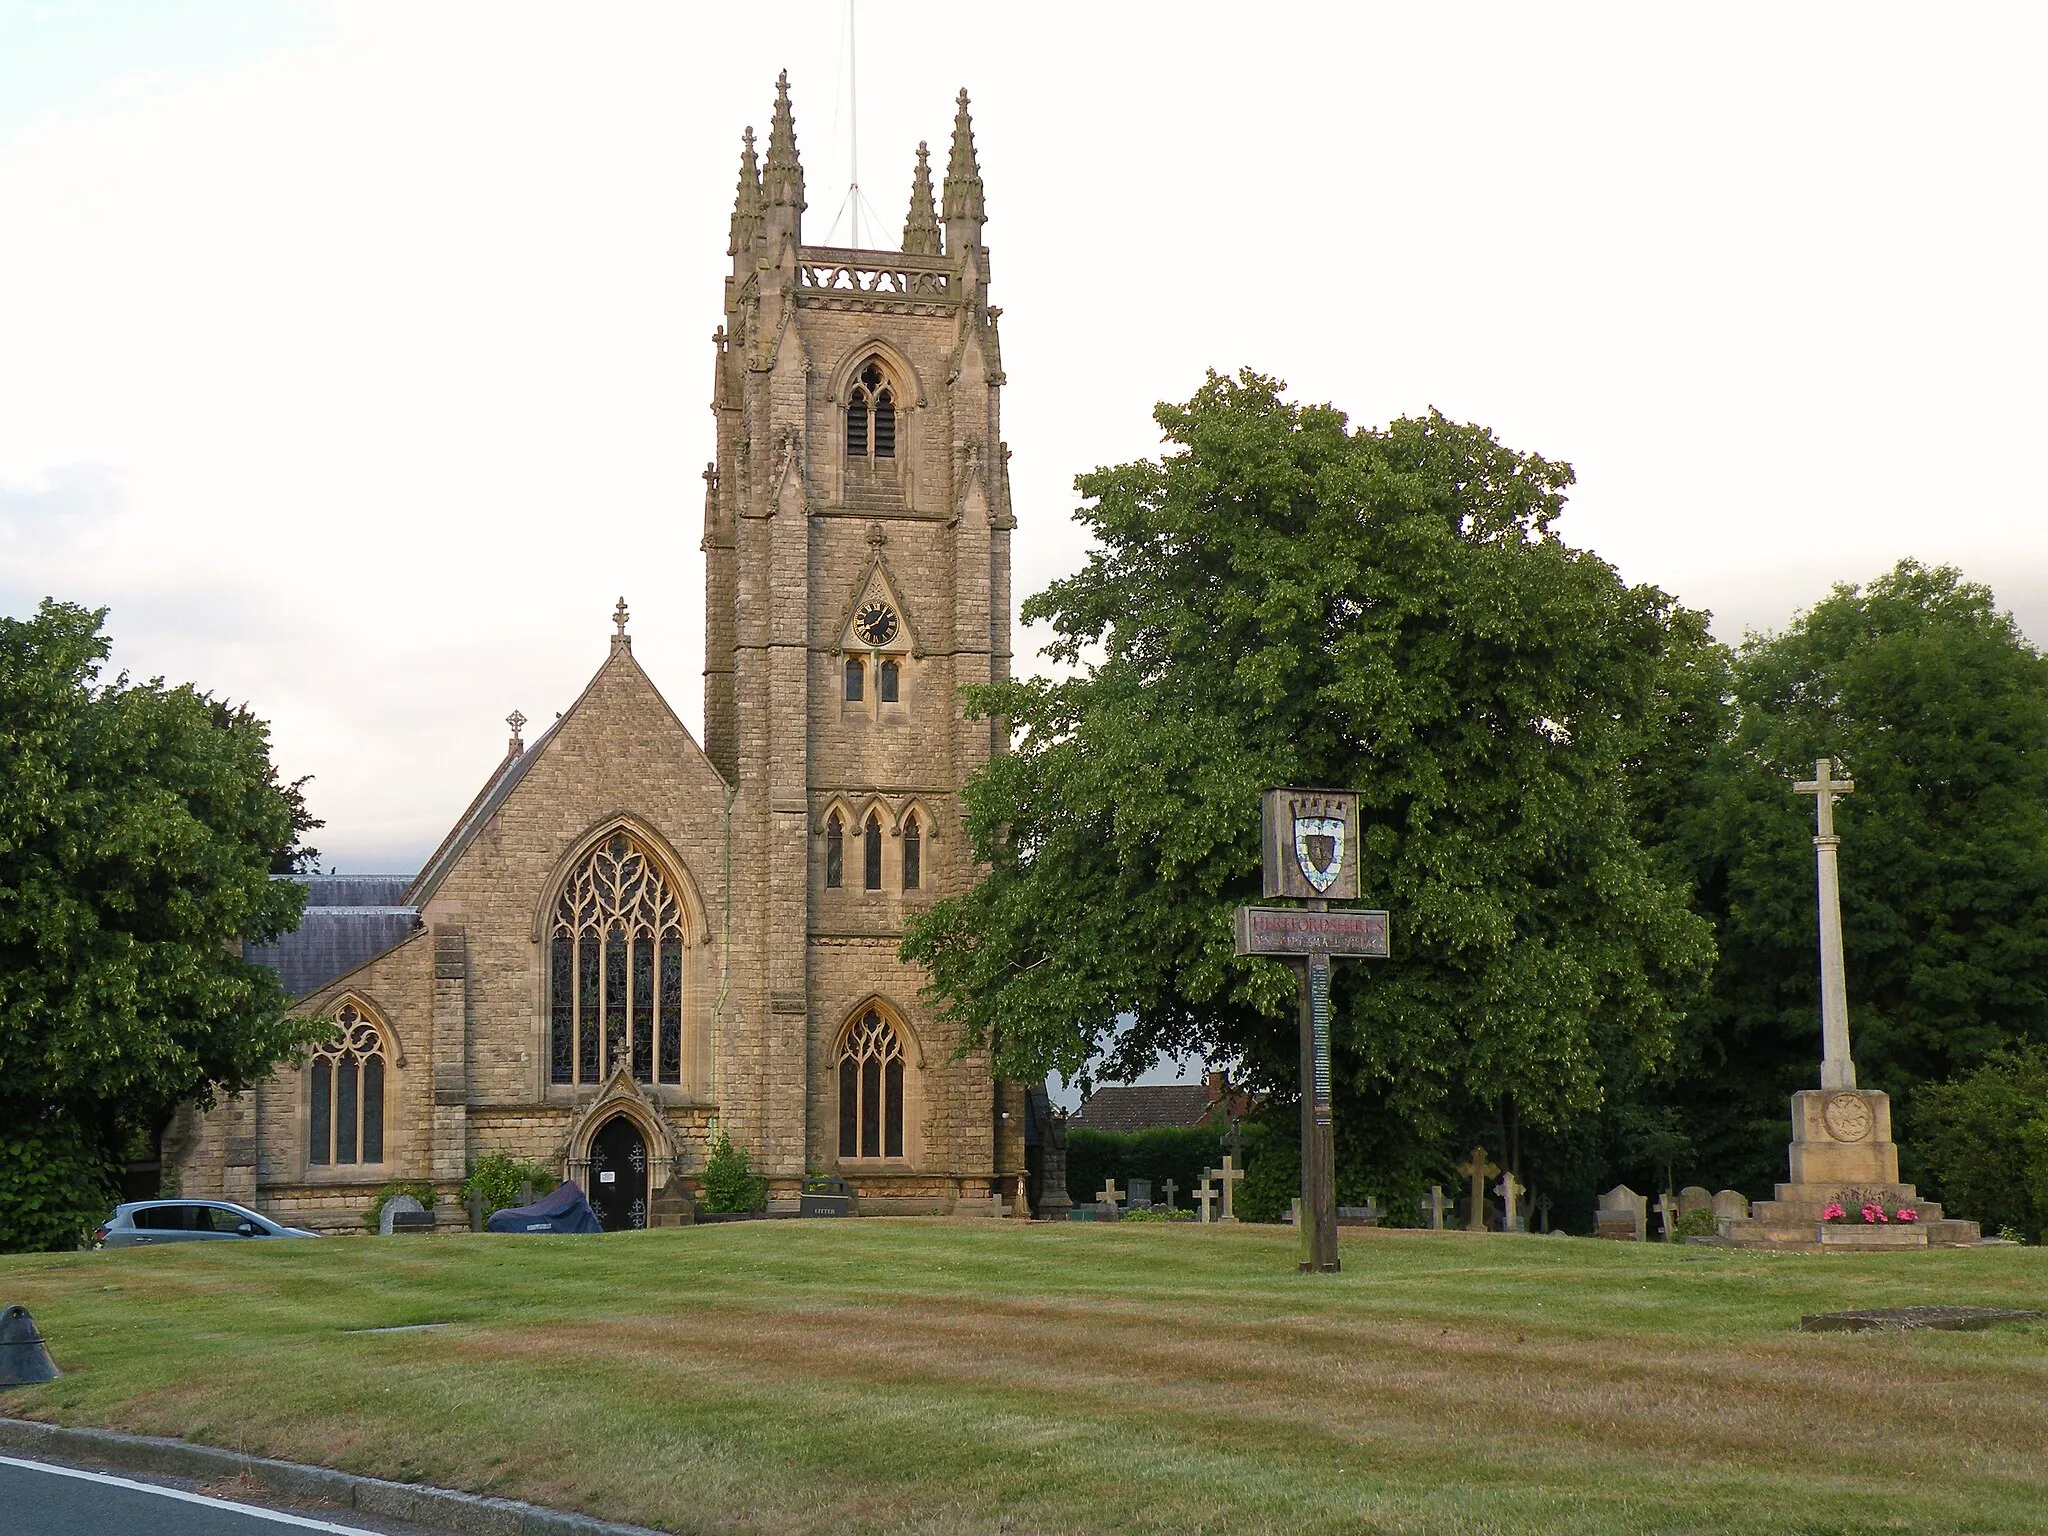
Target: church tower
x=857 y=574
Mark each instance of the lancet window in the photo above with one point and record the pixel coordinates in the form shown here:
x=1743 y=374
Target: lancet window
x=615 y=970
x=870 y=1089
x=888 y=681
x=855 y=677
x=347 y=1121
x=835 y=852
x=871 y=854
x=913 y=853
x=871 y=415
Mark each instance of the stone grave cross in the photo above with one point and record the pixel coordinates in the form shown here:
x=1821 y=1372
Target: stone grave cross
x=1837 y=1070
x=1478 y=1170
x=1229 y=1173
x=1109 y=1194
x=1543 y=1211
x=1435 y=1206
x=1171 y=1189
x=1510 y=1189
x=1205 y=1193
x=1667 y=1209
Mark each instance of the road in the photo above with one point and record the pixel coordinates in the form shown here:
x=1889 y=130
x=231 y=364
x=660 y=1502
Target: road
x=40 y=1499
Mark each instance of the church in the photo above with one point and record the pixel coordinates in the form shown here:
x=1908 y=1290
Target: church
x=633 y=941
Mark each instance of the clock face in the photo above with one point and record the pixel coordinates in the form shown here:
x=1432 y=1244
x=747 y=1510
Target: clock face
x=875 y=623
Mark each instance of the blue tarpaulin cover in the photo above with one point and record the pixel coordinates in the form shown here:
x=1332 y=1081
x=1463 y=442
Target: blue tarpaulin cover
x=566 y=1210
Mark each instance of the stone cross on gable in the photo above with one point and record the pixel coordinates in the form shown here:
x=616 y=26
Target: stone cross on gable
x=1667 y=1210
x=518 y=723
x=1837 y=1069
x=1510 y=1189
x=1434 y=1205
x=1205 y=1192
x=1229 y=1173
x=619 y=617
x=1478 y=1170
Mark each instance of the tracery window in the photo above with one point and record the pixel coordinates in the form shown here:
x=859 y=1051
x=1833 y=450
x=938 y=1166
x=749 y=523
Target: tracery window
x=870 y=1089
x=853 y=680
x=835 y=852
x=871 y=854
x=871 y=415
x=913 y=853
x=347 y=1123
x=615 y=970
x=888 y=681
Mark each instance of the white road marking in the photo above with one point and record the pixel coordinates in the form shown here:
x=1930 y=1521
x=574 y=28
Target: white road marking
x=179 y=1494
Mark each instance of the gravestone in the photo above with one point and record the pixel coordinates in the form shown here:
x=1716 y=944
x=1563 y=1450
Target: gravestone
x=396 y=1206
x=1622 y=1215
x=1171 y=1189
x=1229 y=1174
x=1108 y=1195
x=1543 y=1214
x=1510 y=1189
x=1139 y=1196
x=1478 y=1170
x=1205 y=1194
x=1366 y=1215
x=1433 y=1208
x=1693 y=1199
x=1294 y=1212
x=1667 y=1215
x=1731 y=1205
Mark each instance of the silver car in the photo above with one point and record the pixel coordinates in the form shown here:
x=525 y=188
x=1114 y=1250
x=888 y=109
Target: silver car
x=141 y=1222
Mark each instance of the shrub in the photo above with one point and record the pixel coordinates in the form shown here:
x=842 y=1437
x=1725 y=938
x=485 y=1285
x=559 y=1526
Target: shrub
x=501 y=1180
x=419 y=1189
x=730 y=1183
x=1698 y=1224
x=1158 y=1214
x=1983 y=1138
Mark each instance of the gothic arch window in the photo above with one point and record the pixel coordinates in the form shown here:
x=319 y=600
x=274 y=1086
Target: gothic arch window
x=913 y=853
x=855 y=675
x=888 y=680
x=871 y=415
x=871 y=854
x=870 y=1088
x=835 y=852
x=615 y=970
x=347 y=1121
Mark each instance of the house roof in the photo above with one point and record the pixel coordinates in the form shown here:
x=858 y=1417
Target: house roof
x=1143 y=1108
x=348 y=921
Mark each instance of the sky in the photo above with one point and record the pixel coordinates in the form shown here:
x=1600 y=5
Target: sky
x=357 y=358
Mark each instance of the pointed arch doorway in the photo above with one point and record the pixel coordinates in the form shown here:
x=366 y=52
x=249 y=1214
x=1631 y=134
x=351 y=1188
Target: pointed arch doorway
x=618 y=1175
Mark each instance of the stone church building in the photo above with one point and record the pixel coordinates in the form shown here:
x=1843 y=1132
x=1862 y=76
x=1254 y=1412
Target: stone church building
x=632 y=939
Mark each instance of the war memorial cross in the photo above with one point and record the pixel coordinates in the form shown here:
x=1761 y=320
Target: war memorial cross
x=1837 y=1070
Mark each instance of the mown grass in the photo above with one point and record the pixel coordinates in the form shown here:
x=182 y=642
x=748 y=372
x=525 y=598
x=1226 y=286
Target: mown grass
x=941 y=1377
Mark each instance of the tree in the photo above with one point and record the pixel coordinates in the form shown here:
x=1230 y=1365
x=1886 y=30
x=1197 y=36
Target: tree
x=139 y=825
x=1938 y=707
x=1983 y=1138
x=1283 y=600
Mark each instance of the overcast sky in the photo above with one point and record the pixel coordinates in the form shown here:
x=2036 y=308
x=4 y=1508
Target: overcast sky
x=358 y=358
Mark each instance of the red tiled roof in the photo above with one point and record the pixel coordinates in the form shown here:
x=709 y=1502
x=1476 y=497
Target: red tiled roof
x=1142 y=1108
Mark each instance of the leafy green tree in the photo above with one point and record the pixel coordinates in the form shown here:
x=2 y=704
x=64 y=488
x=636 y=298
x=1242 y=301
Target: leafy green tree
x=1285 y=600
x=730 y=1183
x=1983 y=1139
x=1938 y=707
x=139 y=825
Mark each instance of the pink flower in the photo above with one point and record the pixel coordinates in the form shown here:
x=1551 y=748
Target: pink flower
x=1907 y=1213
x=1874 y=1215
x=1833 y=1212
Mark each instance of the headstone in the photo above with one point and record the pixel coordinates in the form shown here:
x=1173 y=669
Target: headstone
x=1667 y=1215
x=1140 y=1194
x=1622 y=1215
x=1543 y=1214
x=1229 y=1174
x=1478 y=1170
x=1294 y=1212
x=1693 y=1199
x=1510 y=1189
x=1205 y=1194
x=1433 y=1208
x=1731 y=1204
x=1366 y=1215
x=1109 y=1194
x=1171 y=1189
x=397 y=1205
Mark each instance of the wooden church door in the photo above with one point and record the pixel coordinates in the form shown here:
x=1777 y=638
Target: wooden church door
x=618 y=1175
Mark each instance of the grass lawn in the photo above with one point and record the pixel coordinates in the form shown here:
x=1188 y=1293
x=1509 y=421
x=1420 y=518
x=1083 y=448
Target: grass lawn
x=939 y=1376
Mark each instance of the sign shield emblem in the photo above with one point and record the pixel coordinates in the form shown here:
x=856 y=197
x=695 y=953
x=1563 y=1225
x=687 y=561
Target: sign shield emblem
x=1319 y=849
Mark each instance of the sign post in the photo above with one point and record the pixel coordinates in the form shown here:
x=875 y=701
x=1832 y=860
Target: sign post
x=1311 y=854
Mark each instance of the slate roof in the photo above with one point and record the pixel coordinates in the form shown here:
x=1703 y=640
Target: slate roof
x=348 y=919
x=1142 y=1108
